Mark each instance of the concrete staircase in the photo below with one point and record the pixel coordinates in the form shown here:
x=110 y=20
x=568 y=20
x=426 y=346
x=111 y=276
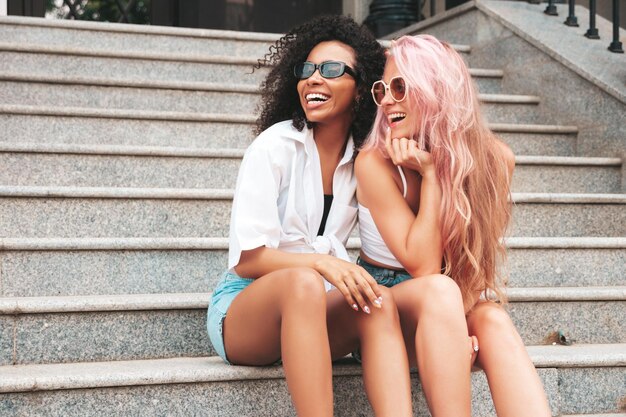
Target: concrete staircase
x=119 y=148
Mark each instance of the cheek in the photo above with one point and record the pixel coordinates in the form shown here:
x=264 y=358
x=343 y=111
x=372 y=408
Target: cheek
x=300 y=87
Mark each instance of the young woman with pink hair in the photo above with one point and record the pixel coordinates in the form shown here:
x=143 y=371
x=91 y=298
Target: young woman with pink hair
x=433 y=185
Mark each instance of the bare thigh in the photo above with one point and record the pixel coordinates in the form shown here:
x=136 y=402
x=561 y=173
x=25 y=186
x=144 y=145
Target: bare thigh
x=413 y=295
x=252 y=327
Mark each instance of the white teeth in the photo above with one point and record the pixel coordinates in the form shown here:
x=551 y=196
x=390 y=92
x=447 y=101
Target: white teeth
x=316 y=96
x=396 y=116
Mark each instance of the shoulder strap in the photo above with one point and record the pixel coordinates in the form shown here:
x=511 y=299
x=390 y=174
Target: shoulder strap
x=404 y=187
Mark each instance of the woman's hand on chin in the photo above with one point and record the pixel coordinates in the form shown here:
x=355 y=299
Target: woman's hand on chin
x=404 y=152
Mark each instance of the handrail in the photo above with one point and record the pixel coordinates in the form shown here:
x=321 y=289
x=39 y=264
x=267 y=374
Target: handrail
x=571 y=20
x=592 y=32
x=616 y=45
x=551 y=9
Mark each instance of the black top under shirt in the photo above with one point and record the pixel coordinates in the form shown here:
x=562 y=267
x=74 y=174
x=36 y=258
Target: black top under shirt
x=328 y=200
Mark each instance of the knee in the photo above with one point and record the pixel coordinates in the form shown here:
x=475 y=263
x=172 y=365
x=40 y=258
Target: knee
x=303 y=285
x=439 y=293
x=490 y=320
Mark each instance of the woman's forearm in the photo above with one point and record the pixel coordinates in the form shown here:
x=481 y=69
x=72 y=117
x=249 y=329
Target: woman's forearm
x=424 y=248
x=261 y=261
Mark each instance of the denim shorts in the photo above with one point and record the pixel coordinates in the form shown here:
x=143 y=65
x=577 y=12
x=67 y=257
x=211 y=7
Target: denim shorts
x=384 y=276
x=227 y=289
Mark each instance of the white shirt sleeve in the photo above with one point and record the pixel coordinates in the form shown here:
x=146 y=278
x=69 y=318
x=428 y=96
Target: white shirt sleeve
x=255 y=219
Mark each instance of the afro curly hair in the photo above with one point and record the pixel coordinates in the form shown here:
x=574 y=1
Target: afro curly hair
x=280 y=99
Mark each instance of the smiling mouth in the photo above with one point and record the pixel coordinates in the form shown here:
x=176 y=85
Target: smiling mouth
x=316 y=98
x=396 y=117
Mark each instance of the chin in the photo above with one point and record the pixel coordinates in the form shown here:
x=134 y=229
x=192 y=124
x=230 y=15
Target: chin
x=396 y=134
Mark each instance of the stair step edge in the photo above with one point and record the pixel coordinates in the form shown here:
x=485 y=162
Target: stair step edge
x=28 y=378
x=21 y=191
x=170 y=151
x=221 y=243
x=184 y=301
x=133 y=114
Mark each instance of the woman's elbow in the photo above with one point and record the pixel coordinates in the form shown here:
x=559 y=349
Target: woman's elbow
x=248 y=263
x=423 y=269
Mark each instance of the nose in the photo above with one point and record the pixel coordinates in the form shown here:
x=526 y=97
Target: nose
x=387 y=100
x=315 y=78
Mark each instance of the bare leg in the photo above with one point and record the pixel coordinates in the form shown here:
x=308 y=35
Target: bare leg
x=285 y=308
x=436 y=336
x=385 y=362
x=502 y=354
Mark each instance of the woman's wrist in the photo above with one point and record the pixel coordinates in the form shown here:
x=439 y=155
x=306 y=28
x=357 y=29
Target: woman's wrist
x=318 y=261
x=429 y=175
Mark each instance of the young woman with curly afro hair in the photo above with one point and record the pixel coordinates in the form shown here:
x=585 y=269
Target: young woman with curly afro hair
x=291 y=292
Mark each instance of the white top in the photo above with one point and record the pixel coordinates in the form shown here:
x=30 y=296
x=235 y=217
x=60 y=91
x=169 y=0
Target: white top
x=279 y=197
x=372 y=243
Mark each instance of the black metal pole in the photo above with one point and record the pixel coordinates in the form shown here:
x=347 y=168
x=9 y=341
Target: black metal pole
x=571 y=17
x=432 y=7
x=551 y=9
x=616 y=45
x=592 y=32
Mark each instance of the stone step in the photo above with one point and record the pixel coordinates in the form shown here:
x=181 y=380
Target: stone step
x=137 y=39
x=210 y=387
x=596 y=415
x=85 y=126
x=564 y=215
x=194 y=97
x=149 y=326
x=19 y=58
x=158 y=212
x=119 y=166
x=78 y=63
x=96 y=266
x=567 y=174
x=134 y=38
x=538 y=140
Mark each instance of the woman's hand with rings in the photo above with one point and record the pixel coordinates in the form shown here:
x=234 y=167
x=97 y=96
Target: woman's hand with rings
x=404 y=152
x=355 y=283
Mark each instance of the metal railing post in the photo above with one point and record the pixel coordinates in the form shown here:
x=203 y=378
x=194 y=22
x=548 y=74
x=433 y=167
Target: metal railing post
x=592 y=32
x=616 y=45
x=551 y=9
x=571 y=17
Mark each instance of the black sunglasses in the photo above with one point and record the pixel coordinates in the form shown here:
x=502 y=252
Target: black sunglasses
x=328 y=69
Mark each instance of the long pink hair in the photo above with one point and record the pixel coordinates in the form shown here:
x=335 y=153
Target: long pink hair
x=470 y=163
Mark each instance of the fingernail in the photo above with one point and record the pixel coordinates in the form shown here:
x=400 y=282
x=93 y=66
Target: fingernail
x=355 y=307
x=380 y=298
x=366 y=309
x=377 y=303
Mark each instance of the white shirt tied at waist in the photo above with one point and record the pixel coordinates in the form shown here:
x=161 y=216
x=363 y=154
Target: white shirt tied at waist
x=279 y=197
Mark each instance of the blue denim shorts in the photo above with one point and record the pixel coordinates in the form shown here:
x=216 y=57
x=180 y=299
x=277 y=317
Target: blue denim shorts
x=384 y=276
x=227 y=289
